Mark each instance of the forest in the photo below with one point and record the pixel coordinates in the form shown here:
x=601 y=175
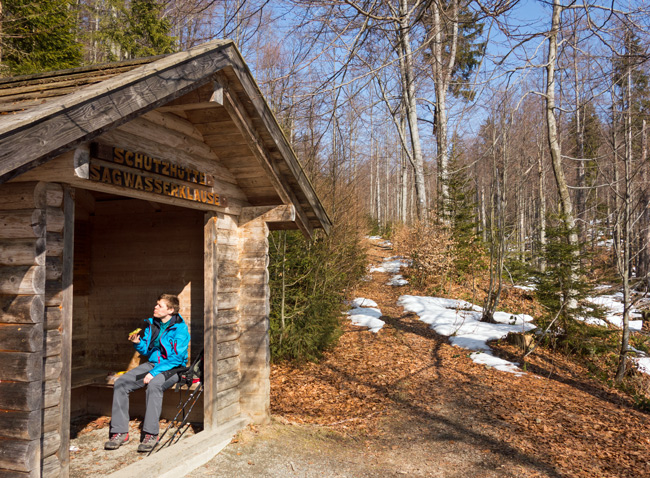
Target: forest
x=497 y=142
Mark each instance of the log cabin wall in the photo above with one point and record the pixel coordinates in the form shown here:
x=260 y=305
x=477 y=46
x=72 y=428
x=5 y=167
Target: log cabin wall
x=34 y=280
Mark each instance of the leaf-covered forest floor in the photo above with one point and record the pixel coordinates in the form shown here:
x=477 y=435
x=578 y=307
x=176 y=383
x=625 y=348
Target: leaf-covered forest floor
x=409 y=393
x=403 y=402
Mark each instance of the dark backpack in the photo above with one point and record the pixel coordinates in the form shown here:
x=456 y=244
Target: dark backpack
x=192 y=374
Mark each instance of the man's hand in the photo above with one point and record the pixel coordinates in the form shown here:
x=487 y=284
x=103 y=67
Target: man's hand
x=147 y=378
x=135 y=337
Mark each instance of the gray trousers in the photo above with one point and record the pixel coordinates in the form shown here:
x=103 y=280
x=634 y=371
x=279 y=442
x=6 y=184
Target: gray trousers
x=127 y=383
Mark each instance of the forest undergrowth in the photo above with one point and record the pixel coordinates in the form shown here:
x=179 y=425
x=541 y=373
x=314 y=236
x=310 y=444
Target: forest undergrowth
x=561 y=418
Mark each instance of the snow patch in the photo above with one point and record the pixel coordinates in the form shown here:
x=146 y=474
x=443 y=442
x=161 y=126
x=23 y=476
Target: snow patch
x=460 y=321
x=365 y=313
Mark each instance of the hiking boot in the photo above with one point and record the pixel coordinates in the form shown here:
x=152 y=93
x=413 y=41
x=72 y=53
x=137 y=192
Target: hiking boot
x=148 y=443
x=116 y=440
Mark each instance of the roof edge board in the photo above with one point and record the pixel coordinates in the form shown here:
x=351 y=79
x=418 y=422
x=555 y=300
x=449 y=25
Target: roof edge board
x=270 y=121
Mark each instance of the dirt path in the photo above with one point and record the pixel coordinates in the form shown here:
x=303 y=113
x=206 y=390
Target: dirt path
x=403 y=402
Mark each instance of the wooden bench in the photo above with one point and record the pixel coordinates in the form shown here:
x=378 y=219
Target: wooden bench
x=98 y=377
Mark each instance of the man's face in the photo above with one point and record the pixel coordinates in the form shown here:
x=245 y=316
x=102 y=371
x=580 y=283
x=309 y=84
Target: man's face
x=162 y=310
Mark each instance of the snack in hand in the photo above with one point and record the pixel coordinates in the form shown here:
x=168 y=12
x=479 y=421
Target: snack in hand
x=136 y=331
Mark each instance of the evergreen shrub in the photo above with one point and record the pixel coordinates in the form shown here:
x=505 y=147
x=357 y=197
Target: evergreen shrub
x=308 y=281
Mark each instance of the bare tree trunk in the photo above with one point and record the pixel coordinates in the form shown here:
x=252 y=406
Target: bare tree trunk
x=566 y=207
x=498 y=236
x=542 y=203
x=408 y=86
x=643 y=263
x=405 y=176
x=624 y=258
x=442 y=73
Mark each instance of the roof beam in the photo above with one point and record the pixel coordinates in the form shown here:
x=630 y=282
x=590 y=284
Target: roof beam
x=282 y=213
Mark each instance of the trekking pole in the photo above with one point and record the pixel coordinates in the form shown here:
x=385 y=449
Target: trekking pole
x=185 y=421
x=171 y=423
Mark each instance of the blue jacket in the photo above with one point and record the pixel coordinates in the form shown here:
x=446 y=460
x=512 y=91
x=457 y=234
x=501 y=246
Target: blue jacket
x=173 y=344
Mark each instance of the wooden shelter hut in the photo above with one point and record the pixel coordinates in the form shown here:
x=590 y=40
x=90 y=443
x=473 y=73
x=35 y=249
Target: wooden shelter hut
x=117 y=183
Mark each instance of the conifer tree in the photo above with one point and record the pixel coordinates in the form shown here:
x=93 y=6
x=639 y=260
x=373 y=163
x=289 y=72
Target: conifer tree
x=39 y=36
x=130 y=29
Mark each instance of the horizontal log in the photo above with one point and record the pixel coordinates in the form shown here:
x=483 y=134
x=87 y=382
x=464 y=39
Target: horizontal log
x=53 y=293
x=254 y=292
x=21 y=337
x=51 y=442
x=256 y=262
x=228 y=284
x=52 y=367
x=227 y=268
x=228 y=365
x=252 y=277
x=23 y=396
x=227 y=300
x=226 y=252
x=20 y=455
x=227 y=381
x=22 y=223
x=255 y=308
x=22 y=252
x=28 y=195
x=228 y=413
x=22 y=280
x=55 y=219
x=53 y=343
x=175 y=123
x=53 y=268
x=54 y=246
x=51 y=467
x=281 y=213
x=227 y=222
x=18 y=474
x=54 y=195
x=51 y=393
x=51 y=419
x=227 y=398
x=228 y=349
x=21 y=366
x=227 y=316
x=255 y=247
x=227 y=239
x=23 y=425
x=228 y=332
x=21 y=309
x=53 y=318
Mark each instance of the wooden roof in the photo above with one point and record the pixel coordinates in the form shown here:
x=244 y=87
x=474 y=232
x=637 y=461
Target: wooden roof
x=206 y=98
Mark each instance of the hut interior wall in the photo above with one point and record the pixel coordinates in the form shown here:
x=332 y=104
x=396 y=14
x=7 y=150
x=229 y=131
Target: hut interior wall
x=127 y=252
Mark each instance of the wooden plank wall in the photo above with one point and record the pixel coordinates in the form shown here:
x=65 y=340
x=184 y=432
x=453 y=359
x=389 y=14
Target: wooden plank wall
x=140 y=250
x=255 y=356
x=23 y=228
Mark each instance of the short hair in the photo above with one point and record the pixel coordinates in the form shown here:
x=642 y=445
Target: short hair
x=172 y=301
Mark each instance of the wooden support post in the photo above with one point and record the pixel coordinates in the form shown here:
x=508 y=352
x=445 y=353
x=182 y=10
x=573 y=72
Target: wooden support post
x=66 y=327
x=254 y=322
x=210 y=314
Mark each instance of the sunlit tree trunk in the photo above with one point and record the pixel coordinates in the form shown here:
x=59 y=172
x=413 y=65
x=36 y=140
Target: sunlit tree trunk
x=566 y=206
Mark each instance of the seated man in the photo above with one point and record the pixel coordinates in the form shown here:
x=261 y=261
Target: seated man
x=164 y=344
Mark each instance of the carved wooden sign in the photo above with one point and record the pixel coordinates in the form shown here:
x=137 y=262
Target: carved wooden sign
x=141 y=172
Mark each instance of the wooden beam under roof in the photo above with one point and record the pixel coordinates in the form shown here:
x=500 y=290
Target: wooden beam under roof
x=244 y=123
